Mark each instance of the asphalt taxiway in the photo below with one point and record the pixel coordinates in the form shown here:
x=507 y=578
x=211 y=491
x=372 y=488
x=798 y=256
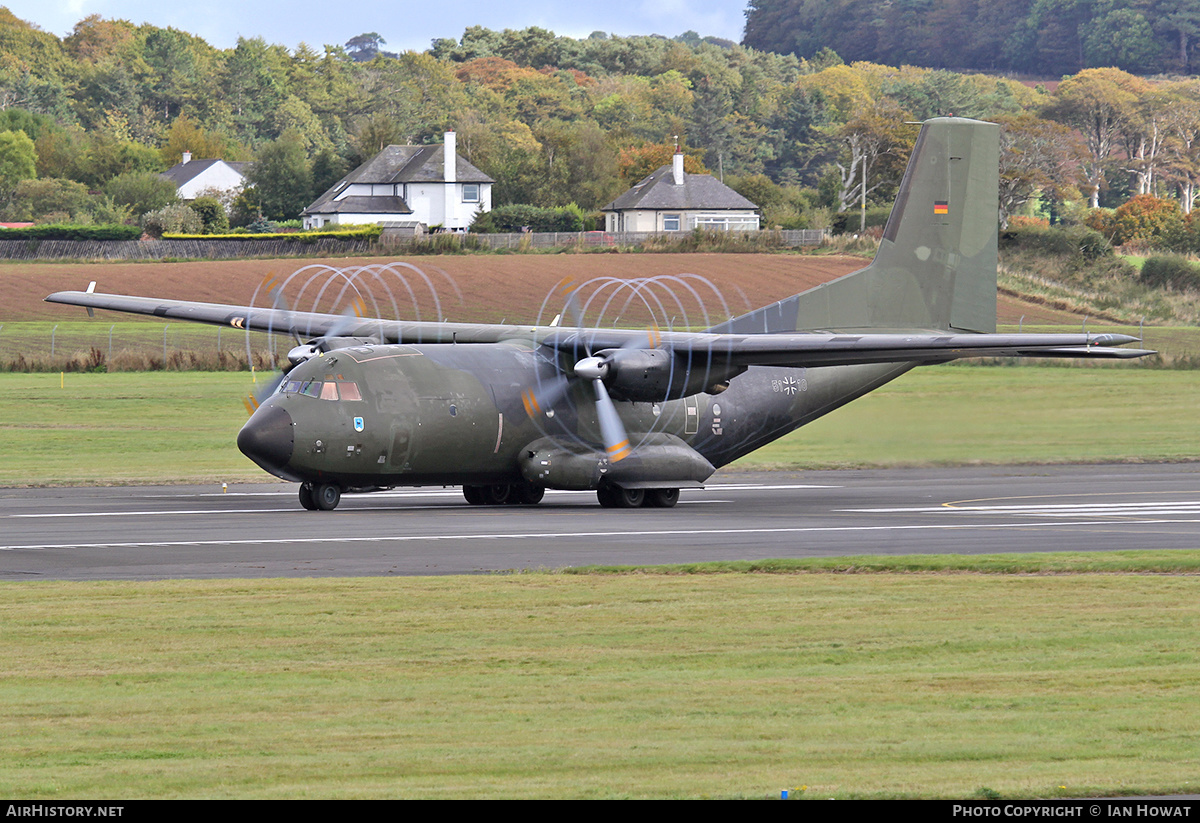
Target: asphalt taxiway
x=260 y=531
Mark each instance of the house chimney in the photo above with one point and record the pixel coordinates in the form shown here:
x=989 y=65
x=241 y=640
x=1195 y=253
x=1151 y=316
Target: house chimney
x=677 y=168
x=187 y=157
x=451 y=152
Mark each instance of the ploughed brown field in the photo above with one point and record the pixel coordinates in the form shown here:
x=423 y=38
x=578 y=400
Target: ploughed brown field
x=492 y=287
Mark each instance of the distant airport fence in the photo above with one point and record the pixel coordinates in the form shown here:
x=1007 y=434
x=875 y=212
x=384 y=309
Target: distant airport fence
x=197 y=249
x=135 y=345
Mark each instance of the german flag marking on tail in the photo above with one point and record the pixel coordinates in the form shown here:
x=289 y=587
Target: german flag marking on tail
x=941 y=207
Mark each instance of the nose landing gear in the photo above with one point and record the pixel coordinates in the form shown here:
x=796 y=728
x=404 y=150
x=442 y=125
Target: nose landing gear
x=320 y=496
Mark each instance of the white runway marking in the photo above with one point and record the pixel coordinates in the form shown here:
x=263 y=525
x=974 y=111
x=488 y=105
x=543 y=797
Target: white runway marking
x=1182 y=508
x=617 y=535
x=392 y=494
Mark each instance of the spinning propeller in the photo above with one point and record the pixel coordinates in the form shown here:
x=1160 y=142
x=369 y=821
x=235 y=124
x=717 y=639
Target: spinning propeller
x=594 y=368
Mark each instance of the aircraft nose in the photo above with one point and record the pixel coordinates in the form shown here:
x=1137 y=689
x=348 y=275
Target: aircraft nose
x=267 y=438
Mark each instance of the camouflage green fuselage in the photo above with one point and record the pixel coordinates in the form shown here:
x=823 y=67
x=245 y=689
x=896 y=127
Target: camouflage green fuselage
x=453 y=414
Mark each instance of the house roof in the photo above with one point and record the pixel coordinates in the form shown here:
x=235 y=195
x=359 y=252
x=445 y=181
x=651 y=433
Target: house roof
x=374 y=204
x=182 y=173
x=399 y=164
x=699 y=191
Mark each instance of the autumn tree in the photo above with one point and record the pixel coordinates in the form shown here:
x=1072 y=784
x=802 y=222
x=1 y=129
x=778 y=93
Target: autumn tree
x=875 y=147
x=638 y=162
x=1182 y=124
x=1100 y=103
x=1035 y=156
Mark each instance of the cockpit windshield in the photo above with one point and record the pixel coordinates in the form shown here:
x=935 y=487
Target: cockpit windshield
x=323 y=389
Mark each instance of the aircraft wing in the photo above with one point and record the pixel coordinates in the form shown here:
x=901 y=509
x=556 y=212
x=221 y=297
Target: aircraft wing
x=791 y=349
x=811 y=349
x=305 y=325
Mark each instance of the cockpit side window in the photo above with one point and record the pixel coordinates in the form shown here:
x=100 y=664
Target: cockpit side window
x=324 y=389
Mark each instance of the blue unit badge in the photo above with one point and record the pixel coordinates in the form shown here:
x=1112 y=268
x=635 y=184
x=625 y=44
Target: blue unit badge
x=358 y=424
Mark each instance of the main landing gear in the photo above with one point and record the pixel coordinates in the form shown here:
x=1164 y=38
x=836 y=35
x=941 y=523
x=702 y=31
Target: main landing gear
x=320 y=496
x=517 y=494
x=615 y=497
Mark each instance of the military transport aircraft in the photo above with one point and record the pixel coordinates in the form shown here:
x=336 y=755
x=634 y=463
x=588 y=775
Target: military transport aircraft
x=509 y=411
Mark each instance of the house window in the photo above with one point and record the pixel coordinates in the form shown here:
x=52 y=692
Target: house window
x=470 y=192
x=670 y=222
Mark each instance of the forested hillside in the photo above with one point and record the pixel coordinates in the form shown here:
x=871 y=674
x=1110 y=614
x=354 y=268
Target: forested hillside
x=1043 y=37
x=87 y=121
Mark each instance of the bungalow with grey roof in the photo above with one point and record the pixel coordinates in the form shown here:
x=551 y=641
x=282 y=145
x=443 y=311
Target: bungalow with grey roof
x=670 y=200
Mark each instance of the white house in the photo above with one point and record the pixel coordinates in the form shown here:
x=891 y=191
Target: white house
x=194 y=178
x=431 y=185
x=669 y=200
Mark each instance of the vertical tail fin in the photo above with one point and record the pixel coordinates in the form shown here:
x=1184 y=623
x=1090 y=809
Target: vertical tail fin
x=936 y=264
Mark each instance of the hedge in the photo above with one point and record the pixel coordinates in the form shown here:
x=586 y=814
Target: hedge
x=358 y=233
x=65 y=231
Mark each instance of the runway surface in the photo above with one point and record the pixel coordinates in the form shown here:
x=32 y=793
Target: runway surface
x=135 y=533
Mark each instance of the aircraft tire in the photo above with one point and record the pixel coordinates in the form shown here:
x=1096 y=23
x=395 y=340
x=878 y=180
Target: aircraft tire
x=615 y=497
x=631 y=498
x=307 y=499
x=526 y=494
x=662 y=498
x=496 y=494
x=327 y=496
x=474 y=495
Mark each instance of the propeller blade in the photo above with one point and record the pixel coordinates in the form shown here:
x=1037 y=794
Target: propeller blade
x=279 y=301
x=262 y=392
x=355 y=311
x=540 y=400
x=569 y=290
x=612 y=431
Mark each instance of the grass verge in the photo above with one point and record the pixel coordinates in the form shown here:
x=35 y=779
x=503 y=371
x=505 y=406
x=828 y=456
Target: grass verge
x=649 y=685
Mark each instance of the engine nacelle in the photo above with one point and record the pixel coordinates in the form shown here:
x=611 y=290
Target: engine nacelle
x=655 y=375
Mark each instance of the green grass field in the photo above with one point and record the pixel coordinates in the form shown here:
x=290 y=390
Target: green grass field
x=1054 y=675
x=722 y=685
x=163 y=427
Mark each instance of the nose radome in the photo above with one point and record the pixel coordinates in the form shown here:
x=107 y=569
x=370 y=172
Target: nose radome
x=267 y=438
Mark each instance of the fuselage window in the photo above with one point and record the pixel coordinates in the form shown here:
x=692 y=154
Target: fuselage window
x=349 y=391
x=329 y=391
x=311 y=388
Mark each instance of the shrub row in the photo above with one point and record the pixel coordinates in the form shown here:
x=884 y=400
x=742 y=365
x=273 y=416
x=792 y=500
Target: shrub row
x=356 y=233
x=64 y=231
x=519 y=217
